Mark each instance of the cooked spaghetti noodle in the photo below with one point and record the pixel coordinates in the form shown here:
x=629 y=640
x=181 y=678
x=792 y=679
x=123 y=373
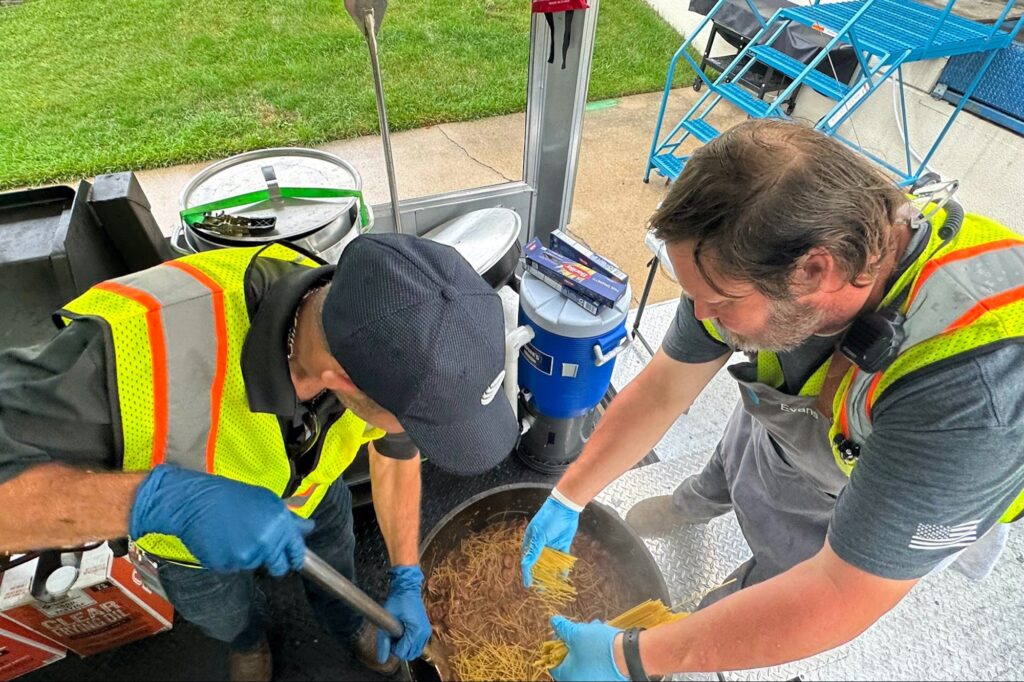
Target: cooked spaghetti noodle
x=494 y=626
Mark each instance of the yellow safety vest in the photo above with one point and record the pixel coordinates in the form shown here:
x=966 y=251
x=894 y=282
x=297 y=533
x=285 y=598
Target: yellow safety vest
x=177 y=332
x=964 y=293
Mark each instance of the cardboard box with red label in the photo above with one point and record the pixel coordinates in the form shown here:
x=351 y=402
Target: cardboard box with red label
x=91 y=602
x=22 y=651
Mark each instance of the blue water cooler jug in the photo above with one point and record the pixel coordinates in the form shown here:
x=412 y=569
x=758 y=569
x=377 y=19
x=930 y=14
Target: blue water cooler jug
x=564 y=372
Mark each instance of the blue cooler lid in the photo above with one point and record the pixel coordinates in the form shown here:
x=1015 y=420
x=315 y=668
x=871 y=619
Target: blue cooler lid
x=554 y=313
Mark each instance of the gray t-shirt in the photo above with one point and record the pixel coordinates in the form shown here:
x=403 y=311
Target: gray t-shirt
x=946 y=453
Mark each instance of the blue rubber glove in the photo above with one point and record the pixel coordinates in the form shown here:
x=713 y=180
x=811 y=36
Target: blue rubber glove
x=227 y=525
x=554 y=525
x=405 y=602
x=590 y=654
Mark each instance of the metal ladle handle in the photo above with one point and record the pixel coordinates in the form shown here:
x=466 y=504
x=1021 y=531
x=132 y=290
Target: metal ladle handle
x=368 y=15
x=321 y=573
x=370 y=32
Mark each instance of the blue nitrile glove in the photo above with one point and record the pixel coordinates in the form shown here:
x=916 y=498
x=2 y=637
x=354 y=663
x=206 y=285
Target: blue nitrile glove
x=554 y=525
x=227 y=525
x=405 y=602
x=590 y=654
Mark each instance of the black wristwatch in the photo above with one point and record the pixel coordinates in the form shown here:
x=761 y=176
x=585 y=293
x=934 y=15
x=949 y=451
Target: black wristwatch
x=631 y=652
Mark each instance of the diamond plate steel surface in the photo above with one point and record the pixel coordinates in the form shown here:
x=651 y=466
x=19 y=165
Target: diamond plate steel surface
x=947 y=628
x=996 y=88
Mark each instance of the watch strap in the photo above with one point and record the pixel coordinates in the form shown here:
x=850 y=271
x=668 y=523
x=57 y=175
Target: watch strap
x=631 y=652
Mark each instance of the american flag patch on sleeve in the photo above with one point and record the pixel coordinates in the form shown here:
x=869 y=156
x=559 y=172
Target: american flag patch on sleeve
x=931 y=536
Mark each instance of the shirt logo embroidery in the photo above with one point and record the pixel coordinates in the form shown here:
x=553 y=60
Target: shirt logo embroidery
x=492 y=390
x=800 y=410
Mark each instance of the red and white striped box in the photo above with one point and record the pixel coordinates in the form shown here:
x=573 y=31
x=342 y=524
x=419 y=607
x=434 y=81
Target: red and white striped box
x=22 y=651
x=107 y=605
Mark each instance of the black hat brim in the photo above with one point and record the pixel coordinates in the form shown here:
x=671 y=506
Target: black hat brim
x=469 y=447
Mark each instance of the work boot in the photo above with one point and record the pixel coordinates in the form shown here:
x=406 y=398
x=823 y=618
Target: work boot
x=659 y=515
x=256 y=665
x=364 y=646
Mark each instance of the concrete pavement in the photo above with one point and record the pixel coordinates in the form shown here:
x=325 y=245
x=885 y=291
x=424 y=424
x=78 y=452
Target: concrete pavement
x=611 y=204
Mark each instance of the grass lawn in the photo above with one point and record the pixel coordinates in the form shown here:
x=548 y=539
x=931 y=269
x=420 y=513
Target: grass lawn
x=93 y=86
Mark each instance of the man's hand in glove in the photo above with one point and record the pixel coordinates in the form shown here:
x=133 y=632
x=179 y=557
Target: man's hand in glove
x=554 y=525
x=591 y=656
x=228 y=526
x=405 y=602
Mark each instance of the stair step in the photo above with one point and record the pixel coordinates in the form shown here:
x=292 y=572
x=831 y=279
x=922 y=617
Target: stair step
x=669 y=165
x=742 y=98
x=701 y=129
x=826 y=85
x=903 y=29
x=829 y=21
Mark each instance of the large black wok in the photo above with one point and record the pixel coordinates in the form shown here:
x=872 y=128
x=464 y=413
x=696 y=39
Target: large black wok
x=522 y=500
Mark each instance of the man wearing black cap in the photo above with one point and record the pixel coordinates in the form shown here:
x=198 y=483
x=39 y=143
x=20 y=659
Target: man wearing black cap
x=231 y=389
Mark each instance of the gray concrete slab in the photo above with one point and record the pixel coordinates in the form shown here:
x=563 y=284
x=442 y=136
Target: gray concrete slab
x=611 y=204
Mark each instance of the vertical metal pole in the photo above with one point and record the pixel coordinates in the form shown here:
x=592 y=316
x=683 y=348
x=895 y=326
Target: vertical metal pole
x=382 y=116
x=903 y=116
x=652 y=271
x=556 y=101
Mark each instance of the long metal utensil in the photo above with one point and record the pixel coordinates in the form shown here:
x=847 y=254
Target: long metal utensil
x=368 y=15
x=320 y=572
x=324 y=575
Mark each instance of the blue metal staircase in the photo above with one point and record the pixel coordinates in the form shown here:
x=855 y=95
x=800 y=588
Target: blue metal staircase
x=884 y=35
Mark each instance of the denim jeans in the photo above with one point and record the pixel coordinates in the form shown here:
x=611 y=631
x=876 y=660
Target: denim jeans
x=230 y=607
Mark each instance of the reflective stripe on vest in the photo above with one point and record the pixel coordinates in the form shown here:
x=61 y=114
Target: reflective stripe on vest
x=177 y=331
x=961 y=295
x=964 y=295
x=343 y=440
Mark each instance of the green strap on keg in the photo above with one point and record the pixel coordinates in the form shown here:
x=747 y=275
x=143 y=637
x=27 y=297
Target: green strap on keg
x=194 y=215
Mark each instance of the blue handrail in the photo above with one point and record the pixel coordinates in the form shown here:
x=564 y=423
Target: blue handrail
x=757 y=13
x=813 y=64
x=970 y=90
x=671 y=74
x=829 y=126
x=883 y=34
x=1002 y=17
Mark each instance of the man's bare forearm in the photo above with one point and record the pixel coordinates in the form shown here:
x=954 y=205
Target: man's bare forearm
x=634 y=422
x=51 y=505
x=396 y=501
x=815 y=606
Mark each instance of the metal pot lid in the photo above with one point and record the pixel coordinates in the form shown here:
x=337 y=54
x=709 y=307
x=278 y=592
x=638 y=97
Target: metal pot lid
x=482 y=237
x=284 y=167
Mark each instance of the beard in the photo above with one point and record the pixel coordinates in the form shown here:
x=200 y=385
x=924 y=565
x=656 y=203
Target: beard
x=789 y=324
